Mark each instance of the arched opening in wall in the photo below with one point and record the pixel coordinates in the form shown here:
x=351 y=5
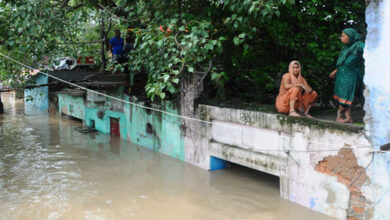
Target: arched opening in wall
x=237 y=174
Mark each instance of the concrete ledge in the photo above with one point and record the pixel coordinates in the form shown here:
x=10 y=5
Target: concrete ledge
x=255 y=160
x=267 y=120
x=321 y=124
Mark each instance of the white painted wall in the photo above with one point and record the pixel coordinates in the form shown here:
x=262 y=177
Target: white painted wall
x=377 y=107
x=260 y=141
x=240 y=136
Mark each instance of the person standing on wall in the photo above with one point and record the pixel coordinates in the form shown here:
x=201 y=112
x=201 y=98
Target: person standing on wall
x=349 y=73
x=116 y=46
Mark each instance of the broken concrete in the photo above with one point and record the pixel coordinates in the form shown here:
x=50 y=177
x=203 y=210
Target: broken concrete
x=345 y=167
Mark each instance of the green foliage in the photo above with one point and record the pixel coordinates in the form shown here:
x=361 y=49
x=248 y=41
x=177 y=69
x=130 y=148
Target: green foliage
x=262 y=41
x=241 y=48
x=167 y=56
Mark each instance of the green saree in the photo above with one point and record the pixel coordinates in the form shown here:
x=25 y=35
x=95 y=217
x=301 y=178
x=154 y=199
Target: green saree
x=350 y=69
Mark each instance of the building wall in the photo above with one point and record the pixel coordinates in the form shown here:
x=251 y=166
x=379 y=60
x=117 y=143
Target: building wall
x=377 y=106
x=38 y=97
x=103 y=124
x=165 y=134
x=196 y=150
x=71 y=105
x=320 y=164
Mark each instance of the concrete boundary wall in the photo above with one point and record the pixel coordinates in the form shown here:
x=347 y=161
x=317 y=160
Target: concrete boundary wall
x=320 y=164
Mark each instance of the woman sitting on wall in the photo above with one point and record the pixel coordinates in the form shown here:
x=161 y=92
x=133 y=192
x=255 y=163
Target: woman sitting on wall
x=349 y=73
x=295 y=97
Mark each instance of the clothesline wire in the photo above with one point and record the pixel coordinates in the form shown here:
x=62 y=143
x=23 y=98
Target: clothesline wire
x=185 y=117
x=211 y=123
x=287 y=151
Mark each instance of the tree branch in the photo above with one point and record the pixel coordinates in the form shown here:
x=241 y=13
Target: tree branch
x=76 y=7
x=205 y=73
x=108 y=29
x=64 y=3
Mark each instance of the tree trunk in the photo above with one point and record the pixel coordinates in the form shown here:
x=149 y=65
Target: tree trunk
x=179 y=7
x=103 y=38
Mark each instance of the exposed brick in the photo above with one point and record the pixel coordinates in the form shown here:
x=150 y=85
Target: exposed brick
x=358 y=210
x=348 y=172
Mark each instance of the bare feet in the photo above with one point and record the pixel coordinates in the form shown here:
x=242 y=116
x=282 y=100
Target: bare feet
x=339 y=116
x=347 y=113
x=294 y=114
x=307 y=115
x=347 y=120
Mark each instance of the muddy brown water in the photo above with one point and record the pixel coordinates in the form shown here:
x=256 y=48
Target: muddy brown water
x=48 y=170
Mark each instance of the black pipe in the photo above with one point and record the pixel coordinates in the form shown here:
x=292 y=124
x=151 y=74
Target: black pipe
x=1 y=107
x=385 y=147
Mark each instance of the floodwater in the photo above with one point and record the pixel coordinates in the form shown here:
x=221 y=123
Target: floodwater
x=48 y=170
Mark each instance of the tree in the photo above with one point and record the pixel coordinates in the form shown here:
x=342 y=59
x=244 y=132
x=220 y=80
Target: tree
x=241 y=45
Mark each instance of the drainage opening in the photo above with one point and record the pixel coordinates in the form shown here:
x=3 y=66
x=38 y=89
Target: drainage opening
x=237 y=171
x=149 y=128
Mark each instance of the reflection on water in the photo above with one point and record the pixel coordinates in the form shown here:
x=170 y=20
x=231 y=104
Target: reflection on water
x=48 y=170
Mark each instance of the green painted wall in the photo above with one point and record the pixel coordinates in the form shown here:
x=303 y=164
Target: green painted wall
x=38 y=97
x=173 y=140
x=165 y=135
x=71 y=105
x=103 y=124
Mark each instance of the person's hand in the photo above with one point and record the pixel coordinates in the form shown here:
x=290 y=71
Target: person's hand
x=302 y=86
x=333 y=74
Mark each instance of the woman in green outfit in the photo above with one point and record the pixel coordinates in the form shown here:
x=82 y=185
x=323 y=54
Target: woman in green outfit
x=349 y=73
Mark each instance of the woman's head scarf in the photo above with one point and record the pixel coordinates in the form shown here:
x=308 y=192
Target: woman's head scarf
x=354 y=46
x=293 y=78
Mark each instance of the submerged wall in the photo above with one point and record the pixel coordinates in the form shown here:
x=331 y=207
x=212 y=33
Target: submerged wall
x=320 y=163
x=150 y=129
x=38 y=97
x=71 y=105
x=155 y=130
